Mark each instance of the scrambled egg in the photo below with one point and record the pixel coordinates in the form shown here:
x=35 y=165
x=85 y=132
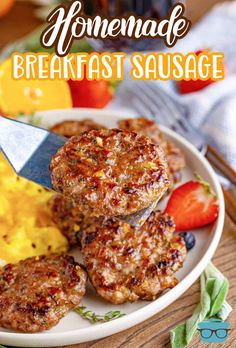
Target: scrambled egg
x=26 y=228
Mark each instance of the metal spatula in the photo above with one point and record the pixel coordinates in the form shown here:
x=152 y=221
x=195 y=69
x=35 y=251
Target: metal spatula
x=29 y=150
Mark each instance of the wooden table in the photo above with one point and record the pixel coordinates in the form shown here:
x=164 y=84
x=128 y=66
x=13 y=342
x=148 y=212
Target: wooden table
x=155 y=331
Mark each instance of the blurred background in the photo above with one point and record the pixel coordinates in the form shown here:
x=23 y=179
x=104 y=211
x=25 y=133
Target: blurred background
x=19 y=18
x=21 y=24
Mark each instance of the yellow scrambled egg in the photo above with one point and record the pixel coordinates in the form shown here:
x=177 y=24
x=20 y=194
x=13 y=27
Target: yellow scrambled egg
x=26 y=228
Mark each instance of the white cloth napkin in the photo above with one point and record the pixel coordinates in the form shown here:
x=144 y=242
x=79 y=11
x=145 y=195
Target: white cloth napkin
x=213 y=109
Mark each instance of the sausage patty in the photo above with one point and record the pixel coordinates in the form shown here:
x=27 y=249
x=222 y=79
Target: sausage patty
x=144 y=126
x=67 y=218
x=70 y=128
x=37 y=292
x=110 y=172
x=175 y=160
x=127 y=264
x=149 y=128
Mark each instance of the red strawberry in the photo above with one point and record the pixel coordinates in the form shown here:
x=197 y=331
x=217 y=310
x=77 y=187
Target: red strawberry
x=193 y=86
x=193 y=205
x=90 y=94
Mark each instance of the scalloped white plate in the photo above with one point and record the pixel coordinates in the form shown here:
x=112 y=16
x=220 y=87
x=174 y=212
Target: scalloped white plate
x=72 y=328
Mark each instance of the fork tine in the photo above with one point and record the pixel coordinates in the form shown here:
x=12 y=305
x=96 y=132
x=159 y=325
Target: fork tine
x=148 y=107
x=140 y=107
x=145 y=100
x=173 y=101
x=157 y=110
x=175 y=112
x=168 y=104
x=180 y=116
x=183 y=123
x=143 y=105
x=168 y=110
x=177 y=116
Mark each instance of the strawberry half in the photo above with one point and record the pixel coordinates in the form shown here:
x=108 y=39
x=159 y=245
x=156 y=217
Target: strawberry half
x=193 y=205
x=192 y=86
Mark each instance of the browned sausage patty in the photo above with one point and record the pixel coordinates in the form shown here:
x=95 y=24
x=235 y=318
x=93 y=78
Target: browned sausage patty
x=67 y=218
x=144 y=126
x=127 y=264
x=70 y=128
x=37 y=292
x=110 y=172
x=149 y=128
x=175 y=160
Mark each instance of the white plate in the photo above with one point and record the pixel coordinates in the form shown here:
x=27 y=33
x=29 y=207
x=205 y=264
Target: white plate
x=73 y=329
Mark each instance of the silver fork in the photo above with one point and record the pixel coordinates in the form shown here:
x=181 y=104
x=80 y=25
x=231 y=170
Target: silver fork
x=149 y=100
x=157 y=104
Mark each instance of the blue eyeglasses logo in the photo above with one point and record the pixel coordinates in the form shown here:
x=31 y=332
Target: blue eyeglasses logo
x=213 y=330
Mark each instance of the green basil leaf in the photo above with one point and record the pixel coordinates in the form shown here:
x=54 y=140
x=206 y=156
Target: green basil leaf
x=220 y=298
x=214 y=289
x=202 y=309
x=178 y=336
x=220 y=290
x=225 y=310
x=212 y=272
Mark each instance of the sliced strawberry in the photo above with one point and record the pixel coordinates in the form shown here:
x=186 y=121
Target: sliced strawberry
x=90 y=94
x=191 y=86
x=193 y=205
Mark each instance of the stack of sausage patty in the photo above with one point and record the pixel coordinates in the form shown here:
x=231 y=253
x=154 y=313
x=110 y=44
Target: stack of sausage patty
x=102 y=177
x=69 y=216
